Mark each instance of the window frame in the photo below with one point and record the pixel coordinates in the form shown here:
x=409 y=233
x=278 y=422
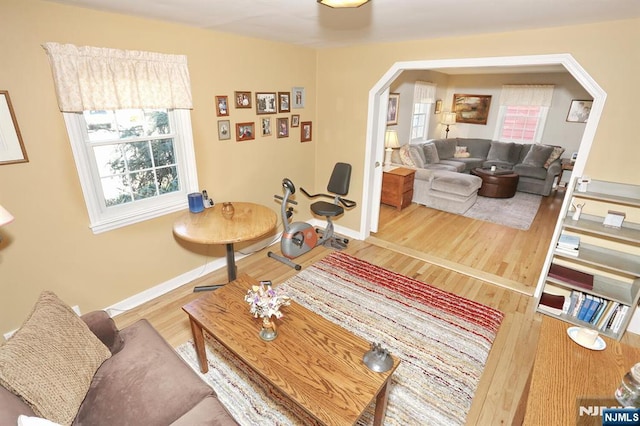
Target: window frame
x=104 y=218
x=427 y=122
x=537 y=137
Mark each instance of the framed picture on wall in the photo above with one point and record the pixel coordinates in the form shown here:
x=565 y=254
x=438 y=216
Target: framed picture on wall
x=295 y=120
x=283 y=127
x=579 y=111
x=471 y=109
x=438 y=108
x=298 y=97
x=222 y=106
x=284 y=101
x=266 y=103
x=11 y=146
x=224 y=130
x=245 y=131
x=266 y=126
x=392 y=108
x=306 y=131
x=243 y=99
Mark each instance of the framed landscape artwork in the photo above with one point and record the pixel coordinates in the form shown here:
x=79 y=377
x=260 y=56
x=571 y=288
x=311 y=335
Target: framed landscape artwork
x=471 y=109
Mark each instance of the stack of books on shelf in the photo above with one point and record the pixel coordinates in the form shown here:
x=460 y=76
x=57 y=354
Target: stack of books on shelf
x=571 y=276
x=568 y=244
x=602 y=314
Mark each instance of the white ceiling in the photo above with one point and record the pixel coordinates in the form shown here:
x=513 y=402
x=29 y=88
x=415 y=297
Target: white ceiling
x=307 y=23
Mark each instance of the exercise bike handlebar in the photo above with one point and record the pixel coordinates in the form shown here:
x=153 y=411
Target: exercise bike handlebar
x=281 y=198
x=346 y=203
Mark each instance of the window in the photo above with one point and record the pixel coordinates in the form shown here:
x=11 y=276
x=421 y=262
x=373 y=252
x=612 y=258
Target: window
x=522 y=124
x=420 y=121
x=523 y=113
x=127 y=115
x=423 y=100
x=134 y=164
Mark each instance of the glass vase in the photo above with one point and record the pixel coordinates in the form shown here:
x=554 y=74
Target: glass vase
x=268 y=331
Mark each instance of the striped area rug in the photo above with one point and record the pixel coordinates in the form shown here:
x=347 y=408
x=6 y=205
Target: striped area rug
x=442 y=340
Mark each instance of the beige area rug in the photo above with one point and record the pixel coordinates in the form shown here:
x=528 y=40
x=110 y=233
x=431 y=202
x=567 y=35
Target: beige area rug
x=516 y=212
x=442 y=340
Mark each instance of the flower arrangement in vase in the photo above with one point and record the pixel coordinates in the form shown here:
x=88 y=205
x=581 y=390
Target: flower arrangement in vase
x=265 y=302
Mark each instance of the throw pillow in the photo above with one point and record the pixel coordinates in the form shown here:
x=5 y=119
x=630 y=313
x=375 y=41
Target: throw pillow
x=555 y=154
x=430 y=153
x=405 y=156
x=416 y=156
x=499 y=151
x=50 y=361
x=461 y=152
x=537 y=155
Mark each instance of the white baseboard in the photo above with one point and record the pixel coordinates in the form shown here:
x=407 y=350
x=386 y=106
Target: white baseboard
x=214 y=265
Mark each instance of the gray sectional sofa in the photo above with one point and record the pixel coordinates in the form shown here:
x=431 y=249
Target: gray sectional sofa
x=536 y=164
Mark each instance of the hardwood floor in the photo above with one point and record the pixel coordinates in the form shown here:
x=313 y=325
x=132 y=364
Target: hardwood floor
x=490 y=264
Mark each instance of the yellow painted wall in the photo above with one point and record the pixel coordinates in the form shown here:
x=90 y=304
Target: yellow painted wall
x=49 y=246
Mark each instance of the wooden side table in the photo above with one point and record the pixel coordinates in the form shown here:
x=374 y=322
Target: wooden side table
x=566 y=164
x=566 y=375
x=397 y=187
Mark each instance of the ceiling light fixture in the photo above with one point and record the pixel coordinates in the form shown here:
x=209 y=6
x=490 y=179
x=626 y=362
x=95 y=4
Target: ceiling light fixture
x=343 y=3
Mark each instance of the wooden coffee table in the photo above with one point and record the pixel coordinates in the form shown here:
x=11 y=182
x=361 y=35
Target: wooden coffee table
x=315 y=363
x=498 y=184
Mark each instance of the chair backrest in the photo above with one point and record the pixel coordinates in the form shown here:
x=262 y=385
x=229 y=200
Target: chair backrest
x=340 y=179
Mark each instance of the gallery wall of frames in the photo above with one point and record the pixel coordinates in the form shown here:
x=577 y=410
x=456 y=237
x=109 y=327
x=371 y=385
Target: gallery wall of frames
x=274 y=115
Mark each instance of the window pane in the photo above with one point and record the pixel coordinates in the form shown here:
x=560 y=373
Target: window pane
x=116 y=190
x=138 y=155
x=168 y=179
x=101 y=125
x=143 y=184
x=163 y=154
x=109 y=159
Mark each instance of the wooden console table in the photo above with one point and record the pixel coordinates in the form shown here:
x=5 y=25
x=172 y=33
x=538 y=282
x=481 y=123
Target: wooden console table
x=565 y=372
x=397 y=187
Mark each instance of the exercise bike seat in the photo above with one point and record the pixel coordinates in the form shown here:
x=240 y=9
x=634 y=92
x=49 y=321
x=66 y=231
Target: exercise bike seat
x=324 y=208
x=338 y=185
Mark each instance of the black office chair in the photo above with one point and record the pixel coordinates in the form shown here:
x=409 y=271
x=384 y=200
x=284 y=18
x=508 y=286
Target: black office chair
x=338 y=187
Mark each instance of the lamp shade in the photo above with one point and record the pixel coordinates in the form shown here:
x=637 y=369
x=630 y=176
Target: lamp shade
x=343 y=3
x=391 y=139
x=5 y=216
x=448 y=118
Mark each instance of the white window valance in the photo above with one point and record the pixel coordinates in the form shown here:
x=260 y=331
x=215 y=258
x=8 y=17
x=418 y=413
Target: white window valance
x=526 y=95
x=96 y=78
x=424 y=93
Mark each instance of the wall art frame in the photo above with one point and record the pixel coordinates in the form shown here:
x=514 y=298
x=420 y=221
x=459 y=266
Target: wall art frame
x=283 y=127
x=222 y=106
x=295 y=120
x=579 y=111
x=12 y=148
x=298 y=97
x=266 y=103
x=438 y=108
x=242 y=99
x=245 y=131
x=392 y=109
x=306 y=131
x=224 y=130
x=471 y=109
x=265 y=123
x=284 y=101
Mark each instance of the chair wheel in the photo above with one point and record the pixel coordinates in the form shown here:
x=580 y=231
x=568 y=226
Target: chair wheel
x=298 y=267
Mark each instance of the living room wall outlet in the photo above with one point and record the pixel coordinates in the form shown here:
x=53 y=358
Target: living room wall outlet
x=7 y=335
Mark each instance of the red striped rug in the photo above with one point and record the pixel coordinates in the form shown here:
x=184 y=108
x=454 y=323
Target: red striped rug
x=443 y=341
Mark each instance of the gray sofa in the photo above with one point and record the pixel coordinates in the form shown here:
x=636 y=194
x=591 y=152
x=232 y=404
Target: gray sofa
x=536 y=164
x=143 y=381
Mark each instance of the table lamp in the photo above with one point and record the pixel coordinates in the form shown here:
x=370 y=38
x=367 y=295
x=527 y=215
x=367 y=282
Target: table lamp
x=390 y=142
x=448 y=119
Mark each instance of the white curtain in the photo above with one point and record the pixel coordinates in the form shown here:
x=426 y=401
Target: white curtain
x=96 y=78
x=526 y=95
x=424 y=93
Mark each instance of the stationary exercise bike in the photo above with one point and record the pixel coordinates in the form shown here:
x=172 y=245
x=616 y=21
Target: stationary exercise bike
x=299 y=238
